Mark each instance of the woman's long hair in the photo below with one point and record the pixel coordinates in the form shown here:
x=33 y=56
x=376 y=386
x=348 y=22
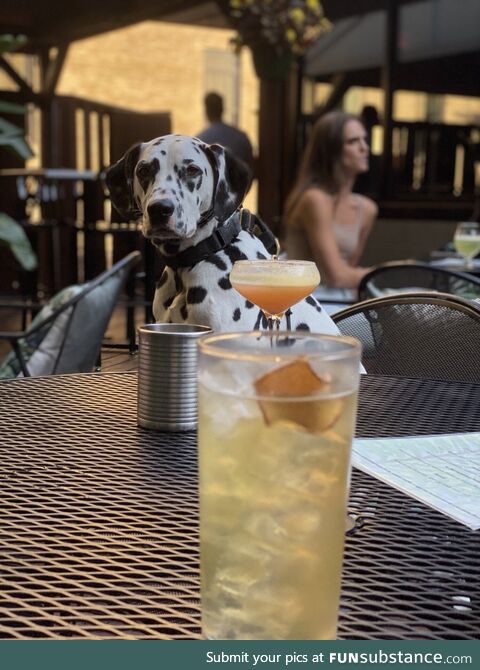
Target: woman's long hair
x=320 y=164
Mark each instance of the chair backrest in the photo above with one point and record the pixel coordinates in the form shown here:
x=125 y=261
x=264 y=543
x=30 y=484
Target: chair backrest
x=396 y=276
x=76 y=329
x=419 y=334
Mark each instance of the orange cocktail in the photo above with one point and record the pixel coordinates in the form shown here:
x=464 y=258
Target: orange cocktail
x=274 y=285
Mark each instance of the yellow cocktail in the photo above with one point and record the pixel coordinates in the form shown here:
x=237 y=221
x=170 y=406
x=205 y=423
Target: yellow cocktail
x=467 y=240
x=275 y=432
x=467 y=245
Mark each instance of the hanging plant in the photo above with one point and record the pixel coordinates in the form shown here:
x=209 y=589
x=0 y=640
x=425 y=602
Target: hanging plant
x=281 y=28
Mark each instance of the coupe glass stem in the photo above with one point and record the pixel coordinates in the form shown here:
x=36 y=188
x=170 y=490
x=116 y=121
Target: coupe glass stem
x=273 y=321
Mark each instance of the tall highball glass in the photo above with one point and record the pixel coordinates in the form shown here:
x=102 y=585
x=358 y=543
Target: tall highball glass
x=276 y=421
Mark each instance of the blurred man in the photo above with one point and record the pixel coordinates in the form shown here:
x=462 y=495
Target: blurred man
x=222 y=133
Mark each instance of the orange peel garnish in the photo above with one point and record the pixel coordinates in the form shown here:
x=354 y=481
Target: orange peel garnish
x=297 y=380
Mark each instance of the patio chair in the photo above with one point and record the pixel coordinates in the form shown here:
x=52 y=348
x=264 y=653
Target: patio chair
x=398 y=276
x=418 y=334
x=66 y=335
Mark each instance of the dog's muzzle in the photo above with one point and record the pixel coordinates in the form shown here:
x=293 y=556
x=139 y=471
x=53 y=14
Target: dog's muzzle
x=160 y=212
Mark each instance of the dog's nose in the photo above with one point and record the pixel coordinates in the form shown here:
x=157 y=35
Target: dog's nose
x=160 y=211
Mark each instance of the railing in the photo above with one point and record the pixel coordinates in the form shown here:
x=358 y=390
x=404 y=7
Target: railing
x=431 y=162
x=64 y=207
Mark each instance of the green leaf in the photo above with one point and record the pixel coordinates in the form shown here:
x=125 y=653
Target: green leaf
x=11 y=108
x=12 y=136
x=11 y=42
x=14 y=236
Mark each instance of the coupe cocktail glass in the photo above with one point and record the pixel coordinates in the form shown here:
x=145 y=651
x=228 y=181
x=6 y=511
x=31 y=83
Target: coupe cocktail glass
x=276 y=422
x=274 y=285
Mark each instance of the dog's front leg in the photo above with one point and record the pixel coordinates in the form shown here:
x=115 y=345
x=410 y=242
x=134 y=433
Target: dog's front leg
x=164 y=296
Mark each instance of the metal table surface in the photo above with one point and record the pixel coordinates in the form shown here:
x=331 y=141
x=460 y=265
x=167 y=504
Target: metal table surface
x=98 y=522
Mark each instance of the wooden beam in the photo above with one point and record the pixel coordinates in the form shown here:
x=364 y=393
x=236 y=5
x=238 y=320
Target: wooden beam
x=341 y=82
x=53 y=70
x=21 y=97
x=24 y=88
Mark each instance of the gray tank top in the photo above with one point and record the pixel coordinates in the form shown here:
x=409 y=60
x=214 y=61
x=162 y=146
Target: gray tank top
x=346 y=236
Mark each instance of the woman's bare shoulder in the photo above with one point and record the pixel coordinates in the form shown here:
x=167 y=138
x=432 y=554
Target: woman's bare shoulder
x=315 y=198
x=368 y=205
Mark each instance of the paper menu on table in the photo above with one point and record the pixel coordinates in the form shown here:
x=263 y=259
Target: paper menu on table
x=443 y=471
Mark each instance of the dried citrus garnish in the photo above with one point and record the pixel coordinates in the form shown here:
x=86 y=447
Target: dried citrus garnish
x=297 y=380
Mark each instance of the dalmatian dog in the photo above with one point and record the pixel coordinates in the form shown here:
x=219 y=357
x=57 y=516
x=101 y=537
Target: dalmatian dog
x=188 y=196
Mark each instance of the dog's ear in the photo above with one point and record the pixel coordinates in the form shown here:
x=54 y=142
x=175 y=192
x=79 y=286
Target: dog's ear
x=234 y=179
x=119 y=180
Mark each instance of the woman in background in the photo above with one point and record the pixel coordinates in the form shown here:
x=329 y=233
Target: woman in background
x=324 y=220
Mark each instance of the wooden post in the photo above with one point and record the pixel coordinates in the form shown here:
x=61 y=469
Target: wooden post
x=277 y=134
x=388 y=84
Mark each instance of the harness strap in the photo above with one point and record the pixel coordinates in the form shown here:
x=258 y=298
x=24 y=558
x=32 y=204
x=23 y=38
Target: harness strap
x=221 y=238
x=218 y=240
x=254 y=225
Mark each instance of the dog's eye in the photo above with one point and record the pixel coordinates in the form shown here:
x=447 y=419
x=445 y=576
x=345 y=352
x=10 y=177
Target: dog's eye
x=193 y=171
x=143 y=170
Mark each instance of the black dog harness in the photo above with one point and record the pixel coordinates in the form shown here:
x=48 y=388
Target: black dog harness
x=220 y=239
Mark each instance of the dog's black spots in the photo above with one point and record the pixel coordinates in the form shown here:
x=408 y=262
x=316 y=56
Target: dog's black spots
x=163 y=152
x=187 y=161
x=191 y=185
x=237 y=314
x=261 y=256
x=235 y=254
x=146 y=172
x=159 y=141
x=217 y=261
x=224 y=283
x=196 y=295
x=179 y=184
x=195 y=148
x=175 y=168
x=303 y=326
x=174 y=191
x=222 y=195
x=181 y=225
x=199 y=183
x=168 y=302
x=181 y=193
x=251 y=234
x=163 y=278
x=178 y=282
x=205 y=170
x=169 y=177
x=184 y=312
x=198 y=200
x=249 y=304
x=311 y=301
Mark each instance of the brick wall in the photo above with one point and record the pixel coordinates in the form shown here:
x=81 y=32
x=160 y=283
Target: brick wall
x=156 y=66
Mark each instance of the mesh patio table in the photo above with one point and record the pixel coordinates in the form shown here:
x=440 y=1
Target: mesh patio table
x=99 y=519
